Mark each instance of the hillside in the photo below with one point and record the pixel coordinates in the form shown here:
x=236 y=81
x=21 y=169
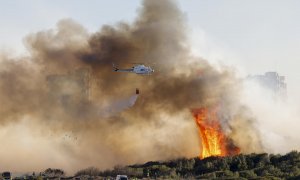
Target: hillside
x=250 y=166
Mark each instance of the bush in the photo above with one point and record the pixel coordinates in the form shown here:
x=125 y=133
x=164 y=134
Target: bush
x=247 y=174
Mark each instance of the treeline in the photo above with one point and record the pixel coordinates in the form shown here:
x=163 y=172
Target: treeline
x=250 y=166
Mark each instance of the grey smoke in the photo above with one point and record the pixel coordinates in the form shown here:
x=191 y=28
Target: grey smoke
x=44 y=95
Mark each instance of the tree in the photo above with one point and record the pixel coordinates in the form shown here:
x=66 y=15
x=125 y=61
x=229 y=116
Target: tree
x=91 y=171
x=54 y=172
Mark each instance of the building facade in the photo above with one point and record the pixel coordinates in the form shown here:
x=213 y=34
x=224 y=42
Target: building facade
x=273 y=82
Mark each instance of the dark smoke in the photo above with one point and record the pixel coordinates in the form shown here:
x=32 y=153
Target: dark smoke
x=45 y=95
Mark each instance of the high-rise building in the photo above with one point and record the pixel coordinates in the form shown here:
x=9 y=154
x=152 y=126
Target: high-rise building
x=272 y=81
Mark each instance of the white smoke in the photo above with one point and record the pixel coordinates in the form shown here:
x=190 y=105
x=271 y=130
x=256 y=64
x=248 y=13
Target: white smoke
x=275 y=119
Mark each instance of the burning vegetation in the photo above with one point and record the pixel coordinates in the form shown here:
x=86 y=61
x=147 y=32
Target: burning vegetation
x=213 y=140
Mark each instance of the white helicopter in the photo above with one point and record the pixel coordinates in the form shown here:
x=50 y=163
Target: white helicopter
x=140 y=69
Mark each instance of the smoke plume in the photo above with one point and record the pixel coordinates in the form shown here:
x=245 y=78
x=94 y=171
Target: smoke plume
x=51 y=101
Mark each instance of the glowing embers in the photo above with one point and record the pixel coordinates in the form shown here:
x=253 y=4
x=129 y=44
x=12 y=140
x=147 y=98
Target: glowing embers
x=214 y=142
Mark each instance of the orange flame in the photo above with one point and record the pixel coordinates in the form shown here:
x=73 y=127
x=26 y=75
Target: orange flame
x=214 y=141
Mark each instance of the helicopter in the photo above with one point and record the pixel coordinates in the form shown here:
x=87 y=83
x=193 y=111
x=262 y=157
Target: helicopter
x=139 y=69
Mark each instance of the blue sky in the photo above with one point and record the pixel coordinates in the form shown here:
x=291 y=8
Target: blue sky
x=254 y=36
